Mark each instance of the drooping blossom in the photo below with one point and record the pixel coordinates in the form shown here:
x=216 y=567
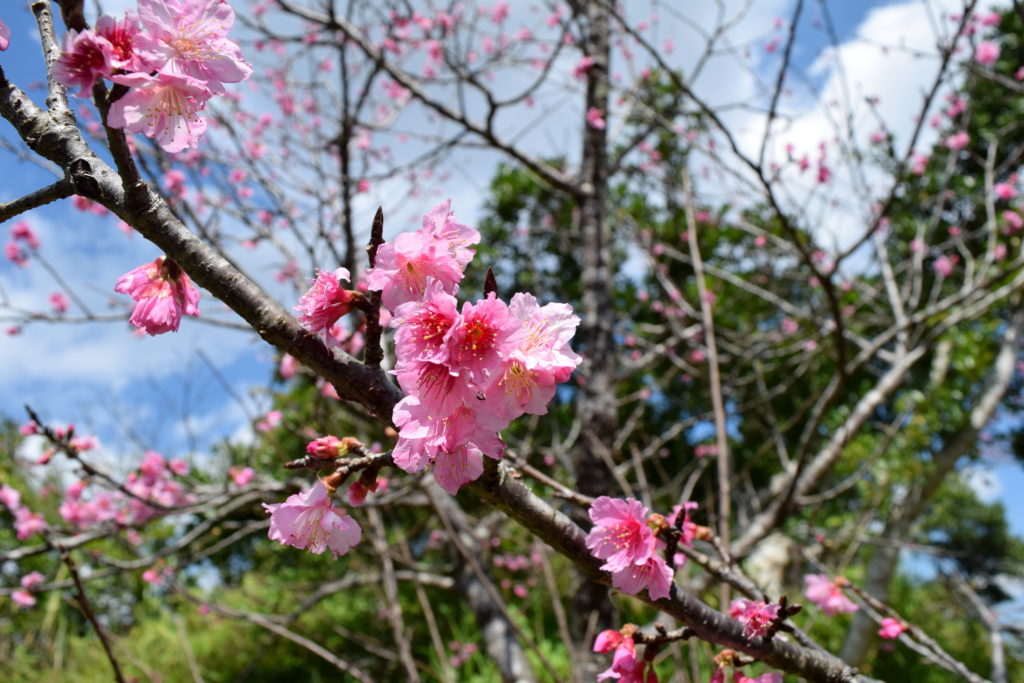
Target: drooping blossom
x=5 y=36
x=755 y=615
x=453 y=445
x=891 y=628
x=986 y=53
x=626 y=666
x=828 y=595
x=325 y=302
x=1005 y=190
x=620 y=535
x=189 y=37
x=655 y=575
x=307 y=520
x=164 y=107
x=163 y=292
x=595 y=118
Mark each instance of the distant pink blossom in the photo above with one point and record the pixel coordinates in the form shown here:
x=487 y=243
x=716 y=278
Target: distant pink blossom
x=242 y=475
x=891 y=628
x=1005 y=191
x=23 y=231
x=288 y=366
x=28 y=523
x=990 y=19
x=179 y=467
x=15 y=254
x=986 y=53
x=164 y=107
x=943 y=265
x=325 y=302
x=828 y=595
x=740 y=677
x=269 y=422
x=307 y=520
x=595 y=118
x=755 y=615
x=5 y=36
x=582 y=67
x=31 y=580
x=163 y=292
x=958 y=140
x=59 y=302
x=10 y=497
x=23 y=598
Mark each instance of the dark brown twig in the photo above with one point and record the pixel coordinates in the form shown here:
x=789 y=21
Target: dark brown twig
x=83 y=602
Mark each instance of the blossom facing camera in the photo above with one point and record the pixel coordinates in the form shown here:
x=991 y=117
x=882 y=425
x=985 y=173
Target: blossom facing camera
x=164 y=107
x=620 y=535
x=163 y=292
x=307 y=520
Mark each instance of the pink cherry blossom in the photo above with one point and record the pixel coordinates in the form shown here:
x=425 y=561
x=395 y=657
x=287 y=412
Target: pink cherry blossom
x=755 y=615
x=24 y=232
x=626 y=666
x=828 y=595
x=943 y=265
x=440 y=223
x=325 y=302
x=242 y=475
x=163 y=292
x=435 y=386
x=31 y=580
x=655 y=575
x=28 y=523
x=59 y=302
x=288 y=366
x=1005 y=191
x=10 y=497
x=454 y=445
x=5 y=36
x=86 y=57
x=485 y=336
x=189 y=37
x=23 y=598
x=958 y=140
x=595 y=118
x=404 y=266
x=307 y=520
x=270 y=421
x=582 y=67
x=423 y=326
x=164 y=107
x=891 y=628
x=986 y=53
x=620 y=535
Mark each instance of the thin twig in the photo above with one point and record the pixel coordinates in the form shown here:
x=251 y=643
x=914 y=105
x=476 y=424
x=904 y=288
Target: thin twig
x=83 y=602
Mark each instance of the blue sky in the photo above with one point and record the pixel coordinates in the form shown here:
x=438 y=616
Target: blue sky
x=159 y=392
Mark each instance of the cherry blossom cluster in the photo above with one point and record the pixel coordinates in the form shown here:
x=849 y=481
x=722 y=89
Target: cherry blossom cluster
x=155 y=481
x=163 y=293
x=22 y=237
x=23 y=596
x=26 y=522
x=624 y=537
x=467 y=374
x=173 y=57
